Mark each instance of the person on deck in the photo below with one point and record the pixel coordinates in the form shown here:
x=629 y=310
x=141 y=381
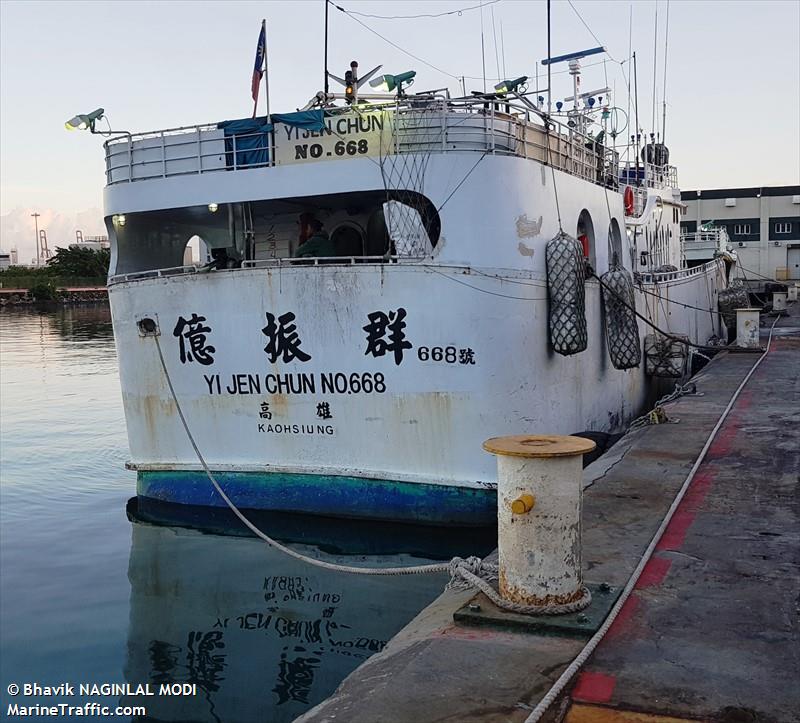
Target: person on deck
x=317 y=244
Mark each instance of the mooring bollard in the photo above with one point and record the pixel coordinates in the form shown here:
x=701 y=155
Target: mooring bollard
x=792 y=293
x=747 y=328
x=539 y=502
x=779 y=301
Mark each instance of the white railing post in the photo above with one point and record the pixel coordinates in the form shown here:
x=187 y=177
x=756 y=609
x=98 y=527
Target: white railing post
x=199 y=153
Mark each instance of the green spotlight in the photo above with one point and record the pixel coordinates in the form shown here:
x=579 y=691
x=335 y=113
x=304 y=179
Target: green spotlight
x=388 y=83
x=510 y=86
x=82 y=122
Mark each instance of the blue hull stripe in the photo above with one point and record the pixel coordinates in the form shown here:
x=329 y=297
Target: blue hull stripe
x=328 y=495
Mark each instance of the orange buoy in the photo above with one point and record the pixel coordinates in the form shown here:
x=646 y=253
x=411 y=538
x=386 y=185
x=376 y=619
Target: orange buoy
x=628 y=201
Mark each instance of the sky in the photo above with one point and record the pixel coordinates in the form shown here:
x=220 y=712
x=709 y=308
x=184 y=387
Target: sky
x=732 y=78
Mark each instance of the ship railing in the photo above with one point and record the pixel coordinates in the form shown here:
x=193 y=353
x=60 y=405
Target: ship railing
x=330 y=261
x=716 y=237
x=698 y=240
x=433 y=124
x=647 y=175
x=323 y=261
x=657 y=277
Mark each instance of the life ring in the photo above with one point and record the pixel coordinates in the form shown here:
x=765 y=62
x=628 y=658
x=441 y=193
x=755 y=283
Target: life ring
x=627 y=199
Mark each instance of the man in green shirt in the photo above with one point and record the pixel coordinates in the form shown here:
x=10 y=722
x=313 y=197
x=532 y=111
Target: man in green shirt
x=317 y=244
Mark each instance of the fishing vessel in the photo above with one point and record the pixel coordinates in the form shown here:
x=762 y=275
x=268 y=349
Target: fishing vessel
x=393 y=278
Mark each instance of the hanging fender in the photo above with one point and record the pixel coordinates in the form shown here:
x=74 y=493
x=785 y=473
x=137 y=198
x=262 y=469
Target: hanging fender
x=566 y=295
x=627 y=199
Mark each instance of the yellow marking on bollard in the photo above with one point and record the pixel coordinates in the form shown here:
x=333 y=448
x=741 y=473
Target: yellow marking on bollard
x=523 y=504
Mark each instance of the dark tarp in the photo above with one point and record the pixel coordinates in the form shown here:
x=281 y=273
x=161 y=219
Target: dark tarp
x=311 y=120
x=250 y=139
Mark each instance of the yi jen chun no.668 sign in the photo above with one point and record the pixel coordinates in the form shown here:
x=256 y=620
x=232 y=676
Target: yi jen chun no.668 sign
x=345 y=136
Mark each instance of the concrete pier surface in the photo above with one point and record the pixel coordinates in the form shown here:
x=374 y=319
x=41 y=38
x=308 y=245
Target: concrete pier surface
x=710 y=632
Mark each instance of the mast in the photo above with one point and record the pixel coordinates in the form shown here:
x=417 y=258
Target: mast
x=327 y=2
x=664 y=116
x=636 y=112
x=549 y=85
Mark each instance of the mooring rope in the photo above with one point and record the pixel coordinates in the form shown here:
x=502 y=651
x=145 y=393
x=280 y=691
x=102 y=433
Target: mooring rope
x=594 y=641
x=434 y=568
x=472 y=570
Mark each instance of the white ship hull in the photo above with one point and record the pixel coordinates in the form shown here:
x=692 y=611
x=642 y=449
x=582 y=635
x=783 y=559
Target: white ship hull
x=387 y=377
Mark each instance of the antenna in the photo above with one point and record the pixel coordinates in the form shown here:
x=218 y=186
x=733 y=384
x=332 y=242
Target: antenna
x=655 y=67
x=630 y=48
x=575 y=71
x=483 y=53
x=636 y=110
x=494 y=39
x=503 y=48
x=549 y=84
x=664 y=117
x=326 y=46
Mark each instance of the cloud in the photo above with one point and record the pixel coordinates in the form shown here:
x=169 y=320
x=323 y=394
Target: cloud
x=17 y=229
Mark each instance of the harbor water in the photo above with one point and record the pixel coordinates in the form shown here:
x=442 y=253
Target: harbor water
x=91 y=595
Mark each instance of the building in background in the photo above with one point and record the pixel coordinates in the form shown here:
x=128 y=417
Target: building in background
x=763 y=226
x=5 y=260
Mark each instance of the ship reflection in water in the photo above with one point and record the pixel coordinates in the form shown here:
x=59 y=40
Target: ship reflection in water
x=261 y=635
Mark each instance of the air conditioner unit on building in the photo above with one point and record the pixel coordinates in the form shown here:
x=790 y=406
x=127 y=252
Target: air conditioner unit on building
x=777 y=243
x=741 y=243
x=730 y=202
x=796 y=199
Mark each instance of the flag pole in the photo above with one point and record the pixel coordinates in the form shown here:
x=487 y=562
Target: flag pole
x=266 y=67
x=261 y=69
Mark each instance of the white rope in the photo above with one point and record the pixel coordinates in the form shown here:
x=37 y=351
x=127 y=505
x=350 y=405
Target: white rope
x=471 y=571
x=593 y=642
x=490 y=571
x=440 y=567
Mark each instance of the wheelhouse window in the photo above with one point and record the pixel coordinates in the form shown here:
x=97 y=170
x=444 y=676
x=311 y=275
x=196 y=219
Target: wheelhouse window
x=330 y=229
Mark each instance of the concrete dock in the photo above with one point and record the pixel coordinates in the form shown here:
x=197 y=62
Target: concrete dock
x=710 y=632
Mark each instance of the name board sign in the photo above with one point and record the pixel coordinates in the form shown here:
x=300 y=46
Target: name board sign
x=349 y=135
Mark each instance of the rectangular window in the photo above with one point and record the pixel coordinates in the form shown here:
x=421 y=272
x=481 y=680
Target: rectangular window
x=783 y=228
x=741 y=229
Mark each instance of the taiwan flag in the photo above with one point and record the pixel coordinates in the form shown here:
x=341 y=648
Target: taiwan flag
x=261 y=54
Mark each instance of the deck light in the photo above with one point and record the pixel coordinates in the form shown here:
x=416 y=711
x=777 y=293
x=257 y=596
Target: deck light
x=388 y=83
x=510 y=86
x=213 y=207
x=81 y=122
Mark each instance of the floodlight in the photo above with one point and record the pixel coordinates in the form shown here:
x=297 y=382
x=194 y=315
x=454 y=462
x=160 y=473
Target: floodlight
x=81 y=122
x=510 y=86
x=388 y=83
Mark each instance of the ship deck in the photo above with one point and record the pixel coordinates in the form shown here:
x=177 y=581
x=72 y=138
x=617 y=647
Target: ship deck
x=710 y=630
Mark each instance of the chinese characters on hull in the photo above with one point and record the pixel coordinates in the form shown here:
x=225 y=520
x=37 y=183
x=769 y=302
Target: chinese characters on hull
x=193 y=332
x=284 y=341
x=385 y=334
x=378 y=342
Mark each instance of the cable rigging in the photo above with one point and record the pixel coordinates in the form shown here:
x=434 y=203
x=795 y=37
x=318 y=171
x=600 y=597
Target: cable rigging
x=459 y=11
